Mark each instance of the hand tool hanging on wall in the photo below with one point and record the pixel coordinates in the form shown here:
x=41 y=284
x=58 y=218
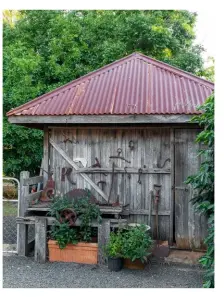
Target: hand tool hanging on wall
x=119 y=152
x=125 y=170
x=159 y=251
x=67 y=172
x=140 y=171
x=112 y=181
x=102 y=182
x=97 y=164
x=66 y=138
x=159 y=166
x=131 y=144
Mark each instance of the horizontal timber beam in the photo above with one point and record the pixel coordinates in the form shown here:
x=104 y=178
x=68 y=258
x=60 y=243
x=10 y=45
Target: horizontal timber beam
x=100 y=119
x=121 y=170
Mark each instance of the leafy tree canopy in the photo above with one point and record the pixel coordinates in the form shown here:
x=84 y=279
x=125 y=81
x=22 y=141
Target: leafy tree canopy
x=46 y=49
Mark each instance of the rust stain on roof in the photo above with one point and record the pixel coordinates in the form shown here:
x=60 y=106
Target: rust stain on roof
x=135 y=84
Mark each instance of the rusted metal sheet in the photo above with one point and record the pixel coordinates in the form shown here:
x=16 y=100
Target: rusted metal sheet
x=135 y=84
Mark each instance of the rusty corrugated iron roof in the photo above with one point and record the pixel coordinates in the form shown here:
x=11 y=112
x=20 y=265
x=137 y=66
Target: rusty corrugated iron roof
x=135 y=84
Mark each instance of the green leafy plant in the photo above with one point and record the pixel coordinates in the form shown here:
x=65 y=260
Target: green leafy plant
x=85 y=210
x=203 y=184
x=136 y=243
x=113 y=249
x=64 y=234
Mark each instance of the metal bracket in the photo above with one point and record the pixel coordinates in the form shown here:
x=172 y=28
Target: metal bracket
x=119 y=152
x=139 y=175
x=125 y=170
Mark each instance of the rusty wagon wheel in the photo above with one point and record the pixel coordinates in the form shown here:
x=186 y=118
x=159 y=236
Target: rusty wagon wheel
x=68 y=215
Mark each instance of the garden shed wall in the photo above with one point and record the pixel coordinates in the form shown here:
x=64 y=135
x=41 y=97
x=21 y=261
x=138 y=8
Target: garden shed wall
x=152 y=146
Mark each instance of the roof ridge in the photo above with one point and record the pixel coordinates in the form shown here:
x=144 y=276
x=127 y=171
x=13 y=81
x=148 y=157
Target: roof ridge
x=174 y=69
x=106 y=68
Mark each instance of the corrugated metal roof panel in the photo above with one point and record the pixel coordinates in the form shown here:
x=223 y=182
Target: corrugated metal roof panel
x=135 y=84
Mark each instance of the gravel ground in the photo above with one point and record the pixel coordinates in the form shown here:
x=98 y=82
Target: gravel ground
x=19 y=272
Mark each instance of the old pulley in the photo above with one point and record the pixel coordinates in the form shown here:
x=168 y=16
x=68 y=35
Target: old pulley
x=68 y=215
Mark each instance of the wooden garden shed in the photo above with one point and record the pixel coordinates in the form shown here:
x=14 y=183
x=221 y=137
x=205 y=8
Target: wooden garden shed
x=121 y=130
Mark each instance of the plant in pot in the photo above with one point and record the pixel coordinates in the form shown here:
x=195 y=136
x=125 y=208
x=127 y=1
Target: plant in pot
x=113 y=250
x=69 y=242
x=136 y=245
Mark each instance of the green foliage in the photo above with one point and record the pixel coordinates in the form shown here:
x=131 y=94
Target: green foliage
x=85 y=211
x=136 y=243
x=203 y=184
x=114 y=247
x=45 y=49
x=64 y=234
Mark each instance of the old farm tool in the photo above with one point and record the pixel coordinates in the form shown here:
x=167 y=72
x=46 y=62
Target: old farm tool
x=140 y=171
x=119 y=152
x=97 y=164
x=161 y=166
x=101 y=182
x=76 y=194
x=48 y=190
x=160 y=250
x=67 y=172
x=125 y=170
x=112 y=182
x=68 y=215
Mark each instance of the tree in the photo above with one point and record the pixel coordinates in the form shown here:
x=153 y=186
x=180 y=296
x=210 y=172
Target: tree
x=203 y=183
x=46 y=49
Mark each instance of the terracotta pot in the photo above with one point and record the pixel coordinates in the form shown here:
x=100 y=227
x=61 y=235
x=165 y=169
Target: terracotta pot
x=136 y=264
x=81 y=252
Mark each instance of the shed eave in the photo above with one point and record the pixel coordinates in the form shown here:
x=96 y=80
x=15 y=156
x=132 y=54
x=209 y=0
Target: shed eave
x=102 y=119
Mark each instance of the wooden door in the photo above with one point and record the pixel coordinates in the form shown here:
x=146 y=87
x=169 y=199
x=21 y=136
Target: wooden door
x=190 y=227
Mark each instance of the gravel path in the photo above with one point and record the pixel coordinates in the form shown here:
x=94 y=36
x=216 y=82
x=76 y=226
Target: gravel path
x=19 y=272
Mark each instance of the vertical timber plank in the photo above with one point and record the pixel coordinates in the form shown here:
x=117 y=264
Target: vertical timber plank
x=103 y=238
x=46 y=155
x=40 y=240
x=172 y=144
x=22 y=228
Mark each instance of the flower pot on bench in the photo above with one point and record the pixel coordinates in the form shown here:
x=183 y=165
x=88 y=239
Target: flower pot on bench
x=82 y=252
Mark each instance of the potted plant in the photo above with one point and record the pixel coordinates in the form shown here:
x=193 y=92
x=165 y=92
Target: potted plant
x=68 y=242
x=113 y=250
x=136 y=245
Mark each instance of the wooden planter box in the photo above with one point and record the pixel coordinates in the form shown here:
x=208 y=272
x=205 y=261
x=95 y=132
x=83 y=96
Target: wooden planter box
x=81 y=252
x=137 y=264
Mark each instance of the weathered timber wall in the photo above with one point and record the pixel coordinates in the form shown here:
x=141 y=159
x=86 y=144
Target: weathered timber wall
x=152 y=146
x=190 y=227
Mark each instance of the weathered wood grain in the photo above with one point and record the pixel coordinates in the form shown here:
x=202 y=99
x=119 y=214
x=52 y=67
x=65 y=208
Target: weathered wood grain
x=103 y=119
x=46 y=155
x=103 y=238
x=40 y=240
x=63 y=154
x=33 y=180
x=189 y=229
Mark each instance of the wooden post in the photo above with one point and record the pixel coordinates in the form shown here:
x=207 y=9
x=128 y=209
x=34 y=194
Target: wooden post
x=103 y=238
x=172 y=161
x=46 y=155
x=40 y=240
x=22 y=228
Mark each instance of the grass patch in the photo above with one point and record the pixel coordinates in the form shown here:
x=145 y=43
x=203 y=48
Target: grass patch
x=10 y=209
